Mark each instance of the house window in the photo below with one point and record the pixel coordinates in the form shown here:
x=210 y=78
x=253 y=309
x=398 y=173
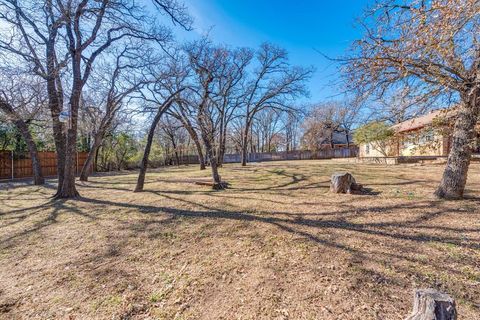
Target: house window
x=367 y=148
x=410 y=140
x=427 y=137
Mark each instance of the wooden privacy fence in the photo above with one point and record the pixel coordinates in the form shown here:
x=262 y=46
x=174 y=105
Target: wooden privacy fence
x=13 y=166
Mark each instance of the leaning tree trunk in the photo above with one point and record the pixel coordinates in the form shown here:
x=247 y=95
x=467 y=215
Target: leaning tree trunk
x=146 y=153
x=196 y=140
x=193 y=134
x=32 y=149
x=27 y=136
x=454 y=177
x=175 y=152
x=207 y=132
x=201 y=157
x=88 y=165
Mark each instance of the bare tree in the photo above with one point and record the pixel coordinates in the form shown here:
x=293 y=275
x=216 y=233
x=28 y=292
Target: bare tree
x=400 y=105
x=320 y=125
x=20 y=102
x=174 y=135
x=162 y=93
x=266 y=127
x=291 y=127
x=207 y=62
x=32 y=46
x=120 y=78
x=274 y=85
x=431 y=47
x=229 y=92
x=348 y=114
x=118 y=144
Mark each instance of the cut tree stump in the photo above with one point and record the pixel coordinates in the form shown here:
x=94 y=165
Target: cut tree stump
x=344 y=183
x=430 y=304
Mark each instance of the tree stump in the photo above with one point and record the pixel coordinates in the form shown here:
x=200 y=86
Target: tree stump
x=215 y=186
x=430 y=304
x=344 y=183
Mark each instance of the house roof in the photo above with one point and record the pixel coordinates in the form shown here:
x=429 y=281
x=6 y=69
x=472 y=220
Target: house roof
x=420 y=122
x=338 y=138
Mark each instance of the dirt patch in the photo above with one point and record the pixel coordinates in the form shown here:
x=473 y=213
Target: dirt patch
x=275 y=245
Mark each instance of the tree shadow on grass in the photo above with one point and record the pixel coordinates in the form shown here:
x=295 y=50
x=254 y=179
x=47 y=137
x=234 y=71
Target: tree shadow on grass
x=367 y=228
x=17 y=216
x=315 y=229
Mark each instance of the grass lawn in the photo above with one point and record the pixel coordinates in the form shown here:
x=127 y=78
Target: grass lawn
x=275 y=245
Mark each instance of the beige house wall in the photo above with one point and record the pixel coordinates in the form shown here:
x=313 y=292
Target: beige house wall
x=373 y=150
x=416 y=143
x=419 y=146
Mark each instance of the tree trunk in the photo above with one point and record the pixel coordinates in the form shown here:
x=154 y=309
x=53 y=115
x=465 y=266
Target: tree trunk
x=245 y=148
x=430 y=304
x=55 y=104
x=344 y=183
x=220 y=138
x=332 y=144
x=27 y=136
x=454 y=177
x=68 y=189
x=60 y=141
x=201 y=157
x=193 y=134
x=92 y=157
x=177 y=158
x=217 y=181
x=32 y=149
x=207 y=131
x=222 y=146
x=148 y=147
x=87 y=168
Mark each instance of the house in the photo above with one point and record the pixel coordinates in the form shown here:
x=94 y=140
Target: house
x=337 y=139
x=427 y=135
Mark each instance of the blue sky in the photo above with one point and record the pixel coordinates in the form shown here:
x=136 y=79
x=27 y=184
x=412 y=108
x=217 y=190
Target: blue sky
x=301 y=26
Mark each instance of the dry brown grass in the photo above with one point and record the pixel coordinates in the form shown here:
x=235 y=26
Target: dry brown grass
x=276 y=245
